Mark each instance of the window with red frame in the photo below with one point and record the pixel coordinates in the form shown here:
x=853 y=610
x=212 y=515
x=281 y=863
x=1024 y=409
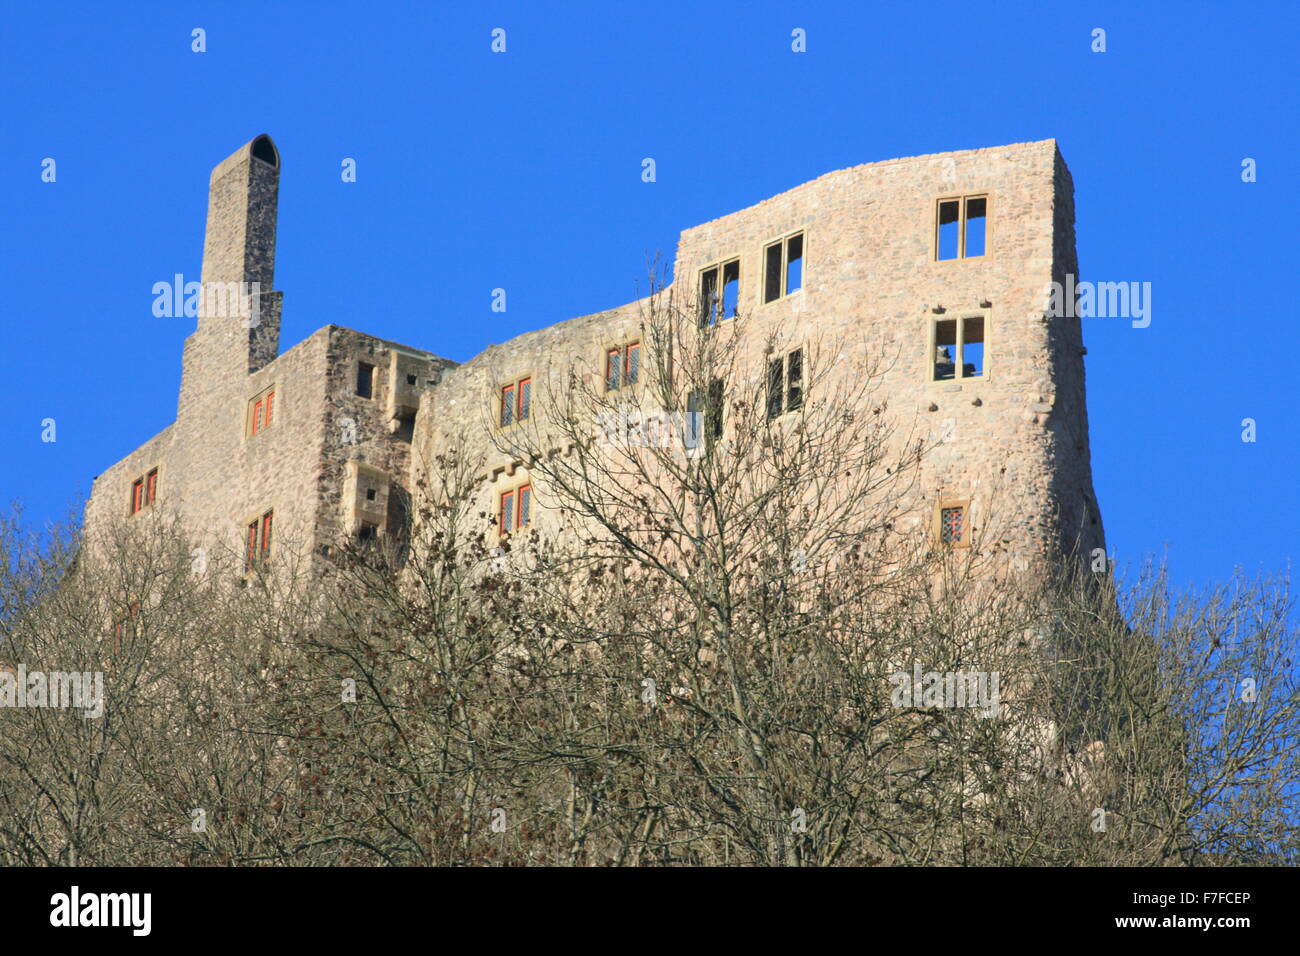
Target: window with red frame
x=516 y=401
x=952 y=524
x=507 y=512
x=261 y=409
x=613 y=370
x=622 y=366
x=516 y=509
x=125 y=625
x=258 y=541
x=144 y=491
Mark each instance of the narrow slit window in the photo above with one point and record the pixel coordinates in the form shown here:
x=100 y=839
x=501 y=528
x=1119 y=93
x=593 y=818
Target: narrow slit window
x=972 y=347
x=613 y=366
x=507 y=405
x=708 y=296
x=775 y=387
x=976 y=220
x=507 y=511
x=525 y=505
x=693 y=429
x=794 y=380
x=794 y=264
x=525 y=400
x=151 y=487
x=730 y=289
x=266 y=534
x=137 y=495
x=365 y=379
x=945 y=349
x=949 y=230
x=250 y=557
x=772 y=273
x=632 y=370
x=714 y=417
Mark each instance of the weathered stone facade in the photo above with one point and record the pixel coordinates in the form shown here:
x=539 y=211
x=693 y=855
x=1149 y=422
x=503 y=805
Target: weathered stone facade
x=212 y=469
x=1015 y=437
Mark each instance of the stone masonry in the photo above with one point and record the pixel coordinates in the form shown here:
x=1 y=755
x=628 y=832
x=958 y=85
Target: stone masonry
x=335 y=462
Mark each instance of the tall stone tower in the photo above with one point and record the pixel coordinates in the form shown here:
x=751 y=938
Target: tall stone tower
x=270 y=453
x=239 y=319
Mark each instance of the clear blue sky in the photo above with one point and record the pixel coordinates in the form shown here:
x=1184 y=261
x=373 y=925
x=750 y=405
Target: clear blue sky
x=522 y=171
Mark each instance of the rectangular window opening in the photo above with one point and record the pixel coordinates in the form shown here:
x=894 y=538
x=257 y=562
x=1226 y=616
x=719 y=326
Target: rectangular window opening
x=975 y=226
x=703 y=415
x=713 y=419
x=693 y=429
x=258 y=550
x=260 y=410
x=794 y=264
x=525 y=400
x=632 y=371
x=516 y=402
x=794 y=380
x=962 y=228
x=250 y=556
x=730 y=290
x=507 y=512
x=772 y=273
x=365 y=379
x=972 y=347
x=613 y=368
x=525 y=505
x=952 y=524
x=266 y=534
x=507 y=405
x=945 y=349
x=946 y=245
x=405 y=431
x=775 y=387
x=708 y=297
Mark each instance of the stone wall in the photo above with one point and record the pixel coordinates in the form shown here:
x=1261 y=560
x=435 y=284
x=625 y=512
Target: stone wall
x=212 y=469
x=1013 y=443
